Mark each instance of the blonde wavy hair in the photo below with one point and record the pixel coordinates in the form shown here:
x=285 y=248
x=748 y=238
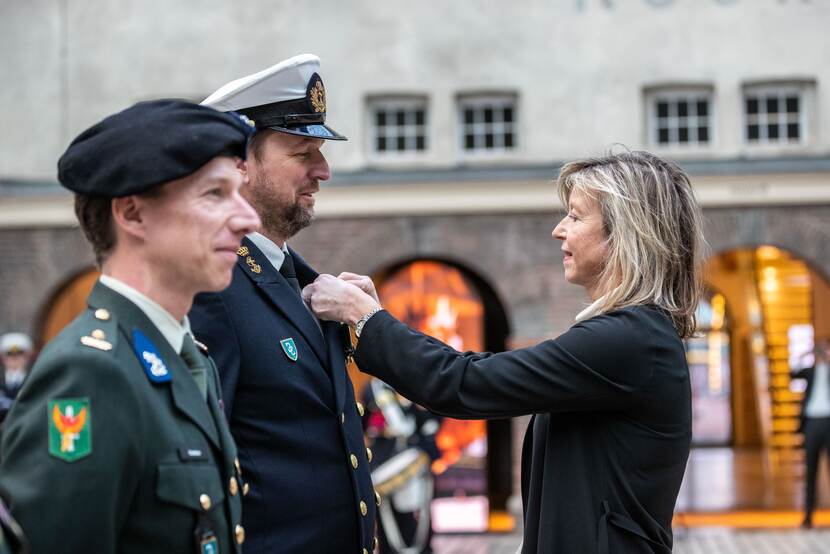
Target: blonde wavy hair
x=654 y=229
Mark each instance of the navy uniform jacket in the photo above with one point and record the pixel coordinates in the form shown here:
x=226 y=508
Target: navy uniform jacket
x=295 y=421
x=605 y=454
x=153 y=462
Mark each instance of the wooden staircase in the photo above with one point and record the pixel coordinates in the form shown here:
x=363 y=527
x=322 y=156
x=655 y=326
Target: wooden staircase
x=785 y=296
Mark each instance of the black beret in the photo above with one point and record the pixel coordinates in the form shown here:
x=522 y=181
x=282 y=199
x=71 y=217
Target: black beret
x=149 y=144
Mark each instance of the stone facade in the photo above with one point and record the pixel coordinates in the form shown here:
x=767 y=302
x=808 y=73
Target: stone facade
x=513 y=253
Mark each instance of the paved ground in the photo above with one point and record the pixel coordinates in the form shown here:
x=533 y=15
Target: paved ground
x=697 y=541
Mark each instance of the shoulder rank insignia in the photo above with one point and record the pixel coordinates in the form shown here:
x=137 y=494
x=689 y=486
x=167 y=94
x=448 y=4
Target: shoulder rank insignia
x=150 y=358
x=290 y=349
x=95 y=342
x=70 y=428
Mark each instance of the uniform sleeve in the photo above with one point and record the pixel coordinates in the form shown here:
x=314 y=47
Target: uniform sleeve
x=80 y=505
x=600 y=364
x=211 y=324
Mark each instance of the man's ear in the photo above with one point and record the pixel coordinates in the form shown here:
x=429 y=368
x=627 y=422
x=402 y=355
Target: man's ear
x=242 y=166
x=127 y=215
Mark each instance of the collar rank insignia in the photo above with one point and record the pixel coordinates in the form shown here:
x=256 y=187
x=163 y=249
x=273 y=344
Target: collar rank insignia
x=290 y=349
x=252 y=264
x=70 y=428
x=243 y=251
x=150 y=358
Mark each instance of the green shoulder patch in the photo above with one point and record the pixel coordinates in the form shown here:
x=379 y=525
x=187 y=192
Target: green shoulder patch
x=70 y=428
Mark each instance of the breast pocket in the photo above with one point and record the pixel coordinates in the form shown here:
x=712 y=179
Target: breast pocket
x=190 y=485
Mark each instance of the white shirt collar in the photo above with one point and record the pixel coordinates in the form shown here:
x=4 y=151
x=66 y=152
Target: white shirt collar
x=172 y=330
x=274 y=253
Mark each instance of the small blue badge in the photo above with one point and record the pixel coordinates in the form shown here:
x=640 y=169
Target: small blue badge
x=150 y=358
x=290 y=349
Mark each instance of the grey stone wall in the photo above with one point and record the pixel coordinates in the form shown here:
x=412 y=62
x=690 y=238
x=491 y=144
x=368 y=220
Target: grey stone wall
x=514 y=253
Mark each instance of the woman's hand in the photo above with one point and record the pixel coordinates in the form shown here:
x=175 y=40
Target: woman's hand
x=336 y=299
x=362 y=282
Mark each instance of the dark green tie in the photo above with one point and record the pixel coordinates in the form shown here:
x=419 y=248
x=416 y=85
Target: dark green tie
x=195 y=363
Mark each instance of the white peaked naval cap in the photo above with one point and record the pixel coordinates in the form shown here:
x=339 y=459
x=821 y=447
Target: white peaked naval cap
x=12 y=343
x=288 y=97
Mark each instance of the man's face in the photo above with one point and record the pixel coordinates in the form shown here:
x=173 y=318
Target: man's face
x=285 y=172
x=16 y=360
x=194 y=226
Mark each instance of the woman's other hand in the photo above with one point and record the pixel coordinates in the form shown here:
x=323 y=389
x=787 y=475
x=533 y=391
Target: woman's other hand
x=336 y=299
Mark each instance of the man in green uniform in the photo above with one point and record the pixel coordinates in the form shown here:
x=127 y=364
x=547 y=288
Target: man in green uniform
x=117 y=441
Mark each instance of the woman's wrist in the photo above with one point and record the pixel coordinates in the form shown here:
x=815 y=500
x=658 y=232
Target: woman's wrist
x=362 y=307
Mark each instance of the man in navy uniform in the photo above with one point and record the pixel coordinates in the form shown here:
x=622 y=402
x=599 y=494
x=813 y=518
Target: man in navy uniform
x=116 y=442
x=287 y=395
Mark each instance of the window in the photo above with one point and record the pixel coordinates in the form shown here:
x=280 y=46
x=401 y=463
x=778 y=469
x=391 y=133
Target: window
x=680 y=118
x=398 y=126
x=488 y=123
x=774 y=114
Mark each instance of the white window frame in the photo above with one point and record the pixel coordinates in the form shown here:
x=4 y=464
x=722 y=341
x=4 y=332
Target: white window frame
x=781 y=91
x=497 y=127
x=672 y=95
x=410 y=104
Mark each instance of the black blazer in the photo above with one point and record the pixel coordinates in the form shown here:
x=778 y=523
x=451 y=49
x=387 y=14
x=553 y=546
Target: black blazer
x=605 y=452
x=808 y=374
x=295 y=422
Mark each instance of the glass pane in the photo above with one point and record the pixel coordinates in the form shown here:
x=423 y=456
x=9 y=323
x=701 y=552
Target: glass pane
x=683 y=134
x=380 y=118
x=662 y=109
x=508 y=140
x=793 y=131
x=401 y=143
x=400 y=118
x=752 y=104
x=488 y=140
x=508 y=114
x=468 y=116
x=772 y=104
x=702 y=108
x=419 y=117
x=792 y=104
x=772 y=131
x=488 y=115
x=420 y=142
x=663 y=136
x=752 y=132
x=703 y=134
x=682 y=108
x=381 y=144
x=469 y=142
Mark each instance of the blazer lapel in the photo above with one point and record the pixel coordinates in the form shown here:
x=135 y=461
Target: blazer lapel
x=186 y=396
x=257 y=267
x=331 y=329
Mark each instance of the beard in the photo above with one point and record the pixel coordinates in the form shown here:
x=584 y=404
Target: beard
x=280 y=218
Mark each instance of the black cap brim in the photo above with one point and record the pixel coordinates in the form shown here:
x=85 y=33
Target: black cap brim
x=314 y=130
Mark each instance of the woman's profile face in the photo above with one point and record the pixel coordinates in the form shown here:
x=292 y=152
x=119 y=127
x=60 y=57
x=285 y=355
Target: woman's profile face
x=583 y=242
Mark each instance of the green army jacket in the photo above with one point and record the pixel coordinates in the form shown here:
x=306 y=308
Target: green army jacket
x=111 y=447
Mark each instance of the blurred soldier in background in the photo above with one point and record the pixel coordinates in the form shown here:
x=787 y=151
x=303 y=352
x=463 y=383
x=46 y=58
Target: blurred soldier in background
x=401 y=436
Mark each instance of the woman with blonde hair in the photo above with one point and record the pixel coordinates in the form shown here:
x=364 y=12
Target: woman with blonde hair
x=605 y=452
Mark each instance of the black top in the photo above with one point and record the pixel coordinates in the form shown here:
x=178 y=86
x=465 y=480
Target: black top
x=605 y=453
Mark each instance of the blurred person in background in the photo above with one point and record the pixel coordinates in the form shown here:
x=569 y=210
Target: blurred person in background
x=16 y=354
x=606 y=450
x=815 y=421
